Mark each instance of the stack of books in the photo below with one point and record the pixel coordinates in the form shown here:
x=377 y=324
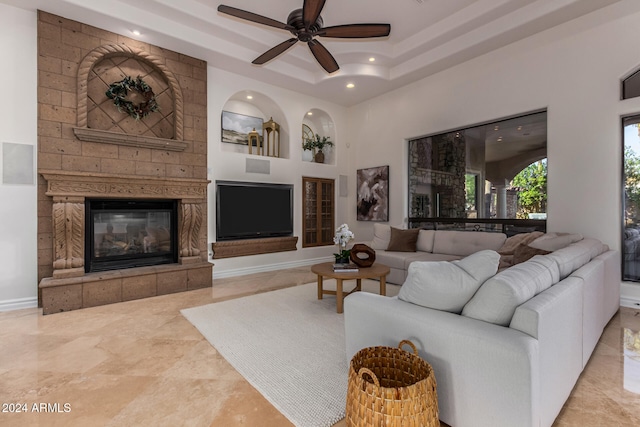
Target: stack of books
x=345 y=268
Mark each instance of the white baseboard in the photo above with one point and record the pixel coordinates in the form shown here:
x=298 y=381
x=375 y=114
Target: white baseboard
x=630 y=295
x=629 y=302
x=269 y=267
x=18 y=304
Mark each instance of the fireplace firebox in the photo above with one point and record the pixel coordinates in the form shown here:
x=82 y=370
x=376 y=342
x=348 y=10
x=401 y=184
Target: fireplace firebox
x=130 y=233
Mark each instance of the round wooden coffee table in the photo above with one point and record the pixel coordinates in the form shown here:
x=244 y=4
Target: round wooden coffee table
x=376 y=271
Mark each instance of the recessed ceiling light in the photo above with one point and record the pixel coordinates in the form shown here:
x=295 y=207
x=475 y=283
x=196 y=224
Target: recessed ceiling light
x=496 y=127
x=249 y=97
x=499 y=139
x=136 y=32
x=309 y=113
x=519 y=128
x=350 y=85
x=372 y=59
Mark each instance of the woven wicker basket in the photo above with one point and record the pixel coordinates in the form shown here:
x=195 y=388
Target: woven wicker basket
x=401 y=391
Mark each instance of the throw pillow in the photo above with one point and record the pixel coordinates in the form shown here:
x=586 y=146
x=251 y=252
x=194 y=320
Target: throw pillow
x=514 y=241
x=381 y=236
x=403 y=240
x=554 y=241
x=498 y=298
x=525 y=252
x=425 y=240
x=448 y=285
x=509 y=248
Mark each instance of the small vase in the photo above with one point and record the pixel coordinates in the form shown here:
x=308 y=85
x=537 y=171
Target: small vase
x=342 y=260
x=319 y=157
x=342 y=257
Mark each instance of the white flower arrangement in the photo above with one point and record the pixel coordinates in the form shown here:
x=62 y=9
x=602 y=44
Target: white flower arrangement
x=343 y=236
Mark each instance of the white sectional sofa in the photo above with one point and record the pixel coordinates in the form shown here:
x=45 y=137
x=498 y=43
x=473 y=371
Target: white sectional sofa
x=431 y=245
x=512 y=355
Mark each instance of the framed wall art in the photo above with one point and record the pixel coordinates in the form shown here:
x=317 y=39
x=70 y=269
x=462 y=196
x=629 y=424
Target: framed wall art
x=373 y=194
x=236 y=127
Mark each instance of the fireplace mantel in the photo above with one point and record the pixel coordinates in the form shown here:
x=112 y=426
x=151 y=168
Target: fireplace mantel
x=84 y=184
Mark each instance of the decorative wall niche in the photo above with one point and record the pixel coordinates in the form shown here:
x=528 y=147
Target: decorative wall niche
x=320 y=122
x=260 y=106
x=99 y=120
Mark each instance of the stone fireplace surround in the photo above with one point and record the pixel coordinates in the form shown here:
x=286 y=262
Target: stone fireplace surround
x=88 y=149
x=70 y=288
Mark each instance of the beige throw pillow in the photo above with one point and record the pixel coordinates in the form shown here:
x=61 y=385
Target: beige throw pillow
x=554 y=241
x=448 y=285
x=381 y=236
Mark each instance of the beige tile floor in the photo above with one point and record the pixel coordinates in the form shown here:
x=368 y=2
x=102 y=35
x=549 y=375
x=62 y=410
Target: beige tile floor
x=140 y=363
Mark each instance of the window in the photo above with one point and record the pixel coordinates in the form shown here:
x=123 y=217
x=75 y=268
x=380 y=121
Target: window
x=631 y=86
x=318 y=211
x=482 y=174
x=631 y=200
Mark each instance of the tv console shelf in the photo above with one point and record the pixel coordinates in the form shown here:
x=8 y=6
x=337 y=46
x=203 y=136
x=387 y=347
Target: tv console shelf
x=235 y=248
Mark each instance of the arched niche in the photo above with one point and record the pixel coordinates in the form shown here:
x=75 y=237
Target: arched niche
x=256 y=104
x=320 y=122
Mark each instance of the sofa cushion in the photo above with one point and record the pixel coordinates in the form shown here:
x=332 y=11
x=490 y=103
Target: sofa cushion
x=554 y=241
x=403 y=240
x=447 y=286
x=577 y=254
x=425 y=240
x=464 y=243
x=498 y=298
x=381 y=236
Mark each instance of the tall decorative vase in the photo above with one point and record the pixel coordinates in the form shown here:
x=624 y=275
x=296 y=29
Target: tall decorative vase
x=319 y=157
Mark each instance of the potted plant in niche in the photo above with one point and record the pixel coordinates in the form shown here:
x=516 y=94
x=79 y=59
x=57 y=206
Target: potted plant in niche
x=317 y=143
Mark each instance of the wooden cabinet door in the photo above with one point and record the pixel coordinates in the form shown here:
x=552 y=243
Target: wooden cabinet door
x=318 y=211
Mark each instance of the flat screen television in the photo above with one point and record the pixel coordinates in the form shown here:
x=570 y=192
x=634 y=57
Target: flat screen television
x=249 y=210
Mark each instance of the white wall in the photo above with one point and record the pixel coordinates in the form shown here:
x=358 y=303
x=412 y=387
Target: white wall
x=226 y=165
x=574 y=71
x=18 y=109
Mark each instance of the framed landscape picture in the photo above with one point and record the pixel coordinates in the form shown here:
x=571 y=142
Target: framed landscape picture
x=373 y=194
x=236 y=127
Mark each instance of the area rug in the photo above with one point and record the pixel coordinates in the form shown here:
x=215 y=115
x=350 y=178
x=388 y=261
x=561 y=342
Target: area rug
x=287 y=344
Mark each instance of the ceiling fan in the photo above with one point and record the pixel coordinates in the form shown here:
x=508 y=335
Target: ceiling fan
x=305 y=24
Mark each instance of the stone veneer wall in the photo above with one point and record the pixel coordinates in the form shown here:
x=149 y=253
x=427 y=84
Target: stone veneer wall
x=129 y=151
x=439 y=162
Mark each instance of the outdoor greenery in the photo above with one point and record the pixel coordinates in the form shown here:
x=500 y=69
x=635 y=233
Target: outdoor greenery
x=532 y=182
x=470 y=191
x=631 y=185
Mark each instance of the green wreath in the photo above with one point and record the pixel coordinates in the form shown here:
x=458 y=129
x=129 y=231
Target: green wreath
x=118 y=92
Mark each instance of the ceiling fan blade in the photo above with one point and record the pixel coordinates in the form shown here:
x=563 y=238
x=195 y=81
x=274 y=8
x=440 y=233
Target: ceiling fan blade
x=310 y=11
x=355 y=31
x=274 y=51
x=253 y=17
x=323 y=56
